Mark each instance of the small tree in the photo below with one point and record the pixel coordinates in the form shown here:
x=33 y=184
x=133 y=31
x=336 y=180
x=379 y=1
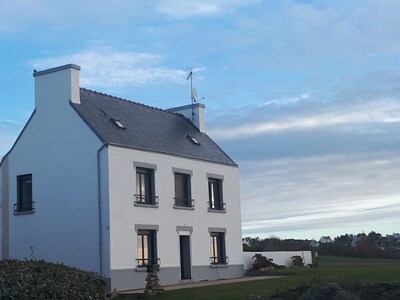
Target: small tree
x=297 y=261
x=260 y=261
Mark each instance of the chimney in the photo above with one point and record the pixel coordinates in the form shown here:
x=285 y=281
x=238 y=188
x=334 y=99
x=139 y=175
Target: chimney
x=55 y=87
x=195 y=113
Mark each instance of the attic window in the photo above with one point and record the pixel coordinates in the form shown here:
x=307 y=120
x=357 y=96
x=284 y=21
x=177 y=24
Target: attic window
x=118 y=123
x=193 y=139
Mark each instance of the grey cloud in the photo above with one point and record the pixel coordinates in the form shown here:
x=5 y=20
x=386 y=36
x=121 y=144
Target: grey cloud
x=319 y=192
x=387 y=219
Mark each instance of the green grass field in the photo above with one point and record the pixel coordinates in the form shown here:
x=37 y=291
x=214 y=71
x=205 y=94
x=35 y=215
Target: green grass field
x=332 y=269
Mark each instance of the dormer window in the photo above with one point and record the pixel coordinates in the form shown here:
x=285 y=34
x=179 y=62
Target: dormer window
x=193 y=139
x=118 y=123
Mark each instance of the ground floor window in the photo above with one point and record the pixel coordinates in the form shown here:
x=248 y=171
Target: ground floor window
x=146 y=248
x=218 y=253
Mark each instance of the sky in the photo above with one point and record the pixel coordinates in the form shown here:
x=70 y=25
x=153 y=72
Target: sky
x=303 y=95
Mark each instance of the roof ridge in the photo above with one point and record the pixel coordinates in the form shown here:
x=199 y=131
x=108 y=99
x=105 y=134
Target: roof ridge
x=126 y=100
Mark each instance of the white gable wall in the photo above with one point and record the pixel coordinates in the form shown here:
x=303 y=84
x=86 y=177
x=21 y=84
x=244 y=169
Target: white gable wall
x=64 y=226
x=60 y=152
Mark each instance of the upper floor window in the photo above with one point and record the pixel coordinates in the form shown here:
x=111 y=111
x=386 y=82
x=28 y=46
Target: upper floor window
x=146 y=248
x=24 y=194
x=145 y=191
x=218 y=253
x=183 y=195
x=215 y=198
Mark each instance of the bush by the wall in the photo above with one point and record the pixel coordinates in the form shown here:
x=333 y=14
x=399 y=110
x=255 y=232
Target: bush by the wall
x=297 y=261
x=260 y=261
x=43 y=280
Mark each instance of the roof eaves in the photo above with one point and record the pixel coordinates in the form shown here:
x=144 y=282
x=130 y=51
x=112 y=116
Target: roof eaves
x=222 y=150
x=233 y=164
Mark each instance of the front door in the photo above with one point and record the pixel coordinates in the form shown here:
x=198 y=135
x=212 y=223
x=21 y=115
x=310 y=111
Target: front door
x=186 y=272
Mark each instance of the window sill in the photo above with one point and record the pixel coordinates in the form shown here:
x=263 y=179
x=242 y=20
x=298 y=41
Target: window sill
x=183 y=207
x=145 y=205
x=141 y=269
x=24 y=212
x=219 y=266
x=214 y=210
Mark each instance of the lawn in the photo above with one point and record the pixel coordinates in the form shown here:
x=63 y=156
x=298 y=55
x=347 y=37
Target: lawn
x=332 y=269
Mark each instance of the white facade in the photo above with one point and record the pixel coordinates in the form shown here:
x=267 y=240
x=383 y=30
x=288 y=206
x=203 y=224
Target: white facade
x=124 y=215
x=83 y=192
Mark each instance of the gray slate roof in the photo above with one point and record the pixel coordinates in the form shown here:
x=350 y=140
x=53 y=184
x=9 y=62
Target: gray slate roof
x=147 y=128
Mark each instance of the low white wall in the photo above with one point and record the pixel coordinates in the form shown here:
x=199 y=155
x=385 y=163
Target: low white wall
x=279 y=257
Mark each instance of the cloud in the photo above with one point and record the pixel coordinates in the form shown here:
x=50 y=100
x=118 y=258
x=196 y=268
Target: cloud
x=333 y=191
x=385 y=111
x=20 y=15
x=183 y=9
x=107 y=68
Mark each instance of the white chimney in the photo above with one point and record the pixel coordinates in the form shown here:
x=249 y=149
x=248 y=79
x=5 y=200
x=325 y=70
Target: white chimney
x=55 y=87
x=195 y=113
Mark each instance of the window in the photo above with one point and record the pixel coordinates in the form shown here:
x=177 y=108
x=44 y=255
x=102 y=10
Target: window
x=118 y=123
x=215 y=194
x=145 y=187
x=183 y=197
x=146 y=248
x=24 y=194
x=193 y=139
x=218 y=255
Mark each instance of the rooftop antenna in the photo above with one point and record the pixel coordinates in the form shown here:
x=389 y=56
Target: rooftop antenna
x=193 y=92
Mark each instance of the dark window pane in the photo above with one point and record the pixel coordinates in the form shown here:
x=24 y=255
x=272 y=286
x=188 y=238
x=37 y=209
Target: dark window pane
x=218 y=255
x=215 y=193
x=145 y=185
x=182 y=190
x=24 y=193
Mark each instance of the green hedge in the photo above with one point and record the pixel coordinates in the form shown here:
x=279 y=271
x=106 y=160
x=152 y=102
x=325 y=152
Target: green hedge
x=31 y=279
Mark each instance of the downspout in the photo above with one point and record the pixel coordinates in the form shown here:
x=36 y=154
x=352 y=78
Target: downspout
x=99 y=202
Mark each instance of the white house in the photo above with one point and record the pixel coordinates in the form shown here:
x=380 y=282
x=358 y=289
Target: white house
x=325 y=240
x=108 y=185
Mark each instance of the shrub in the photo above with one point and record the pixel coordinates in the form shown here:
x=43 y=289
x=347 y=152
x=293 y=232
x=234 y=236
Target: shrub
x=297 y=261
x=260 y=261
x=43 y=280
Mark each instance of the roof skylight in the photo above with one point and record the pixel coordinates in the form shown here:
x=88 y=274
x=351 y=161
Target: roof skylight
x=118 y=123
x=193 y=139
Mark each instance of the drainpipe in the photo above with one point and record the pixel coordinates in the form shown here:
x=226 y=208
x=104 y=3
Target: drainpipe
x=99 y=207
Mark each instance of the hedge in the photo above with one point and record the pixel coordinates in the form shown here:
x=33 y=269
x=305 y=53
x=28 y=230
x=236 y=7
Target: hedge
x=37 y=279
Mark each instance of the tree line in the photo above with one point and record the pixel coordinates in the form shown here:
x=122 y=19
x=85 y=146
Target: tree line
x=372 y=245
